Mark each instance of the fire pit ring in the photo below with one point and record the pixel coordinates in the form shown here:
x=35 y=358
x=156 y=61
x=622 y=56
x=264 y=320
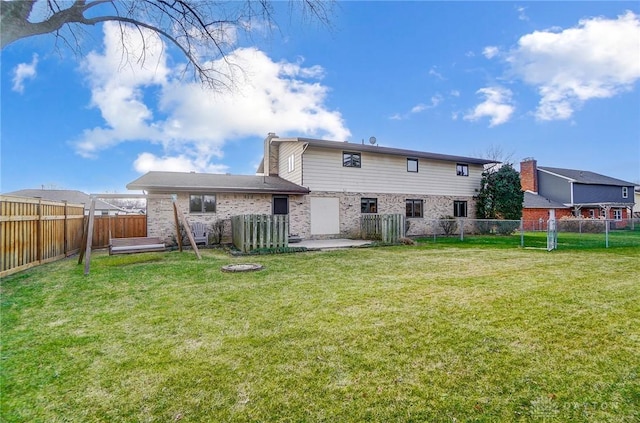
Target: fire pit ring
x=242 y=267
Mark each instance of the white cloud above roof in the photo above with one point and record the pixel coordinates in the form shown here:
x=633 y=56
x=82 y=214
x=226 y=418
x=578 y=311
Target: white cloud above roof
x=598 y=58
x=434 y=101
x=497 y=106
x=147 y=162
x=193 y=124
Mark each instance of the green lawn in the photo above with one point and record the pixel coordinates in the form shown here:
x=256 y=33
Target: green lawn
x=423 y=333
x=566 y=240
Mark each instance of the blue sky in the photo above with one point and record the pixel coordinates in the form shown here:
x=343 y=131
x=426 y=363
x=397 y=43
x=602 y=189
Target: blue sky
x=557 y=81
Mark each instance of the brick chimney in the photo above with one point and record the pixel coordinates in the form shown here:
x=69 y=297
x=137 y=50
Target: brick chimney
x=270 y=163
x=529 y=175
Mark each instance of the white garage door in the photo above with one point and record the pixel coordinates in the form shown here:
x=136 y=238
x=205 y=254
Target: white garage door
x=325 y=216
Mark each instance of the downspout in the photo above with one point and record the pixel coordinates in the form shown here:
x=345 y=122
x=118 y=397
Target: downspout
x=571 y=191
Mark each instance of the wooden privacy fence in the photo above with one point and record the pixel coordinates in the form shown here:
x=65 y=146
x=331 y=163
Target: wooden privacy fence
x=388 y=228
x=253 y=231
x=120 y=226
x=35 y=231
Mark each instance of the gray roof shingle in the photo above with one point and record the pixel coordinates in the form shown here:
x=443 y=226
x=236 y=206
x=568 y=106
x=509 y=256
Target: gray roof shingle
x=203 y=182
x=392 y=151
x=585 y=177
x=535 y=201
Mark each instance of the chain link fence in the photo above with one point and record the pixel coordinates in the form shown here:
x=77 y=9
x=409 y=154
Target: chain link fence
x=569 y=232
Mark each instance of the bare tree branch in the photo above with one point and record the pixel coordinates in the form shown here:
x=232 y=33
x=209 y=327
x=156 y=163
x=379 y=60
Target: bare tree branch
x=198 y=28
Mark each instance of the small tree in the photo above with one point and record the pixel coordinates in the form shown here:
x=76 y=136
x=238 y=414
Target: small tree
x=449 y=225
x=500 y=194
x=217 y=231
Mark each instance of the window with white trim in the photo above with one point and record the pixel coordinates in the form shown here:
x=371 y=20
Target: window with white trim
x=292 y=163
x=625 y=192
x=617 y=214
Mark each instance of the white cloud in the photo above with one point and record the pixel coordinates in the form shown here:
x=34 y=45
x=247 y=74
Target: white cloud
x=497 y=106
x=436 y=100
x=599 y=58
x=418 y=108
x=149 y=103
x=522 y=15
x=434 y=72
x=22 y=72
x=490 y=52
x=147 y=162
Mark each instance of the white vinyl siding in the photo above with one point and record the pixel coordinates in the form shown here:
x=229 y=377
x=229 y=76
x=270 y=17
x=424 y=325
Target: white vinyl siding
x=380 y=173
x=286 y=151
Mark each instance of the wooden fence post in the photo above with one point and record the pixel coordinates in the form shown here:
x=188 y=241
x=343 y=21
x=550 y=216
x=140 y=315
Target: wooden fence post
x=65 y=226
x=178 y=234
x=187 y=227
x=39 y=233
x=87 y=259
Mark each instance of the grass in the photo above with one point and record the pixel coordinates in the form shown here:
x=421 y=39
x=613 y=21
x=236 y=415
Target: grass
x=412 y=333
x=566 y=240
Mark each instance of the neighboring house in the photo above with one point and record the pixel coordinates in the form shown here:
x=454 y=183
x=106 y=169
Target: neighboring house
x=324 y=187
x=536 y=211
x=573 y=193
x=636 y=207
x=70 y=196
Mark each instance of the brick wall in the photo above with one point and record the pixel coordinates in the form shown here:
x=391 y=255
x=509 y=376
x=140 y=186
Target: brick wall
x=350 y=212
x=532 y=217
x=161 y=221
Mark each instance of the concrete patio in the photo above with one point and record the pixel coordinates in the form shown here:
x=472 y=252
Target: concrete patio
x=330 y=244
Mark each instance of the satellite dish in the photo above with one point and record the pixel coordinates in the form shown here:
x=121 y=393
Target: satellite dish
x=372 y=140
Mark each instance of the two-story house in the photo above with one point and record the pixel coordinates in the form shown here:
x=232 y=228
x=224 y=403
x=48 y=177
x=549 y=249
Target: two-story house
x=324 y=187
x=573 y=192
